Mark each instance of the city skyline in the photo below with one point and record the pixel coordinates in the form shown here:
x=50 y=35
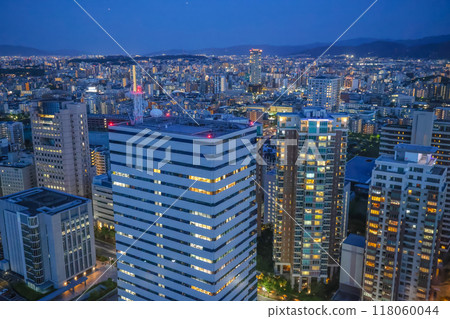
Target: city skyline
x=242 y=172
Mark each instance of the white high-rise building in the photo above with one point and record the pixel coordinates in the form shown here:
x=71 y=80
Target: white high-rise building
x=186 y=229
x=405 y=209
x=61 y=146
x=324 y=91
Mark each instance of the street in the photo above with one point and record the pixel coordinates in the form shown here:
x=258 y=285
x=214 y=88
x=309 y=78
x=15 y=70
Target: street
x=105 y=249
x=102 y=273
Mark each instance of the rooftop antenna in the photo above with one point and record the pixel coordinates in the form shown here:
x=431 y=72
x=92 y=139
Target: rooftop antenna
x=138 y=101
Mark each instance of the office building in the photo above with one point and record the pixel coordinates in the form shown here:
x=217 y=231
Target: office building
x=13 y=131
x=61 y=146
x=324 y=91
x=16 y=176
x=406 y=204
x=102 y=201
x=255 y=66
x=202 y=245
x=310 y=226
x=47 y=237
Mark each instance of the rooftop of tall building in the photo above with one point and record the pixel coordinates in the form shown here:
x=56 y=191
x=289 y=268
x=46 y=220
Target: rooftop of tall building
x=355 y=240
x=314 y=112
x=41 y=200
x=102 y=180
x=411 y=148
x=186 y=126
x=325 y=77
x=359 y=169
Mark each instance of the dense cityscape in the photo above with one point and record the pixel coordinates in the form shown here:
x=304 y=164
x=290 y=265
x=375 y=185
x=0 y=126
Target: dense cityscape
x=345 y=200
x=157 y=158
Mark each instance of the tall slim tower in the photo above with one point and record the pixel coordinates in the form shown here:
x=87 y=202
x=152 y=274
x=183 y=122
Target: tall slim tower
x=312 y=148
x=61 y=146
x=405 y=209
x=187 y=229
x=255 y=66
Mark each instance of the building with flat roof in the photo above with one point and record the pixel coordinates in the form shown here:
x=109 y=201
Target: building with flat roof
x=352 y=264
x=312 y=148
x=61 y=146
x=425 y=130
x=324 y=91
x=185 y=213
x=405 y=209
x=16 y=177
x=47 y=237
x=358 y=172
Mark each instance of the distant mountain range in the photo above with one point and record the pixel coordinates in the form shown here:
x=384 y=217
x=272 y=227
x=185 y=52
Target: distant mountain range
x=426 y=48
x=17 y=50
x=436 y=47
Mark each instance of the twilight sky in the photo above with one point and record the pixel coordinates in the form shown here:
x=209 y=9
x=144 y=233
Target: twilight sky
x=144 y=26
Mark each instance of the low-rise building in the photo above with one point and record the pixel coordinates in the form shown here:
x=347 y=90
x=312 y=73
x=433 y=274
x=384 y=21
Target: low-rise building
x=47 y=237
x=16 y=176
